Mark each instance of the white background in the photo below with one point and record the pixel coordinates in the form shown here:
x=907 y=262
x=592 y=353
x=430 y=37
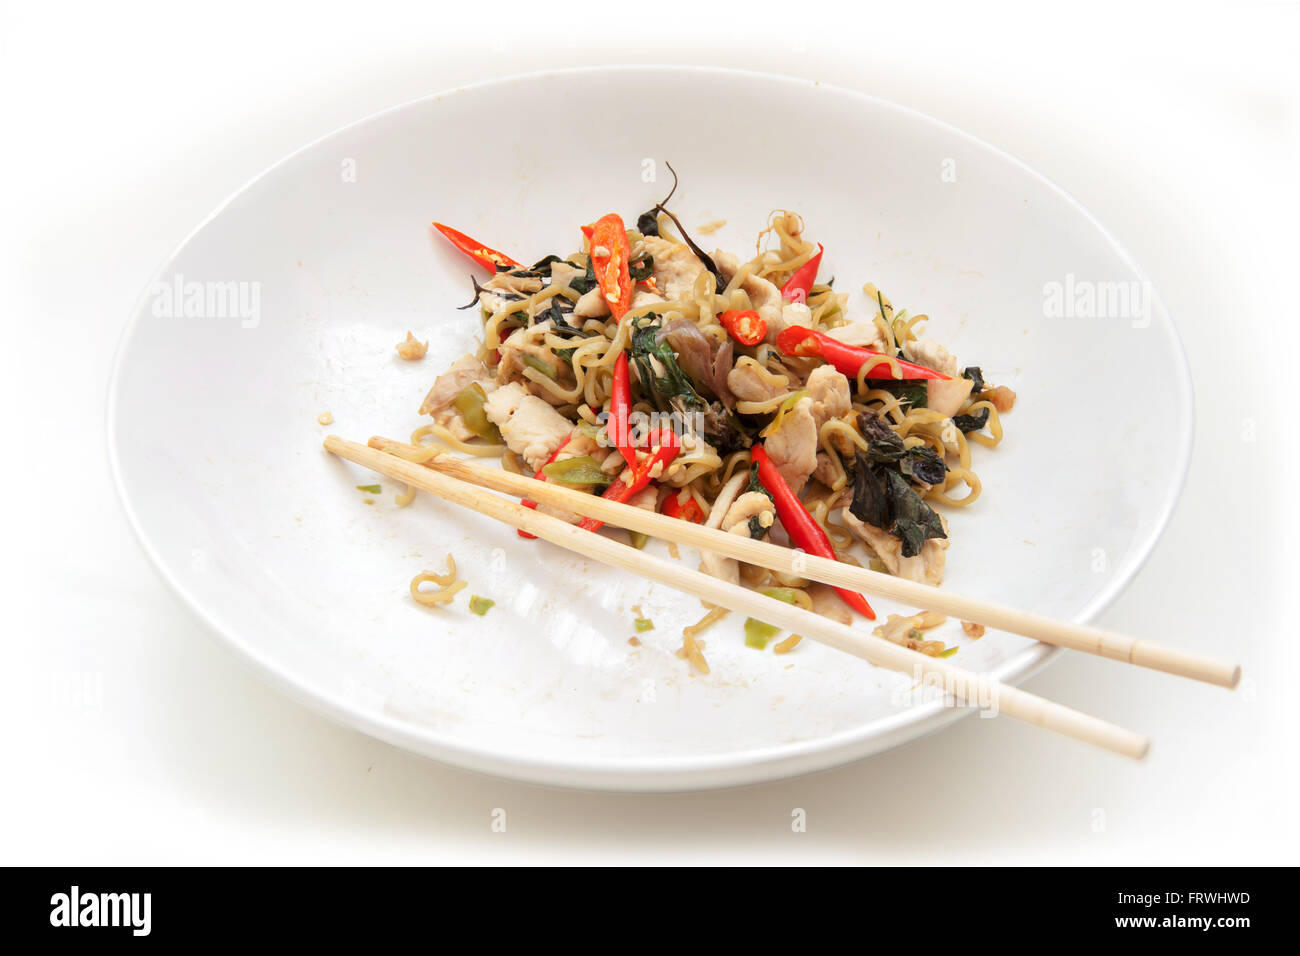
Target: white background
x=130 y=736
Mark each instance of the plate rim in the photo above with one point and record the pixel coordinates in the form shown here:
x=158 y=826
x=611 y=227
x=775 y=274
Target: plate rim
x=692 y=772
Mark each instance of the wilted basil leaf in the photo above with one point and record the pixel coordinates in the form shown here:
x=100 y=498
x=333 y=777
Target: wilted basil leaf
x=870 y=497
x=672 y=389
x=542 y=267
x=923 y=464
x=723 y=429
x=586 y=282
x=912 y=394
x=559 y=323
x=874 y=427
x=640 y=271
x=971 y=423
x=914 y=520
x=884 y=499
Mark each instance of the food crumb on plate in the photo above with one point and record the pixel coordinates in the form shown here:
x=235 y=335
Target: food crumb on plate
x=412 y=350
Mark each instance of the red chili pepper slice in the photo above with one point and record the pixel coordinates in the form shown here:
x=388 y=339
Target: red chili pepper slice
x=744 y=325
x=610 y=255
x=690 y=511
x=798 y=286
x=541 y=476
x=620 y=410
x=623 y=489
x=805 y=342
x=485 y=256
x=801 y=526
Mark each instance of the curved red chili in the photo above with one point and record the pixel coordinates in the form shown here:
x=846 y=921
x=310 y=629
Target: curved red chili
x=485 y=256
x=804 y=342
x=620 y=410
x=802 y=527
x=642 y=474
x=799 y=284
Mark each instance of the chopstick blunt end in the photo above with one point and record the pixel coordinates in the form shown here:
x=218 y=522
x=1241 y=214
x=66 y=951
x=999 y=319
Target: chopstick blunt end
x=1182 y=663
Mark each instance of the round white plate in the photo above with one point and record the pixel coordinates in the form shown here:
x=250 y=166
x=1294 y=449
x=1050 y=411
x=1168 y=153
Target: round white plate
x=287 y=302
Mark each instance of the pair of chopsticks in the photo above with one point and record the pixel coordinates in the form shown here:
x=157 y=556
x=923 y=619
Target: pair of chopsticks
x=464 y=484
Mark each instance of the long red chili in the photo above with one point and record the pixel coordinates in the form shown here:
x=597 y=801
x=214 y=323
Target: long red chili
x=642 y=474
x=610 y=261
x=541 y=476
x=798 y=286
x=485 y=256
x=801 y=526
x=620 y=410
x=804 y=342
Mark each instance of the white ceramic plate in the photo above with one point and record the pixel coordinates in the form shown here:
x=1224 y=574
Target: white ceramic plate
x=216 y=447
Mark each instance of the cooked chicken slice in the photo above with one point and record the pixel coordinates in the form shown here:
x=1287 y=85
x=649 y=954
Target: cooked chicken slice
x=926 y=567
x=793 y=445
x=613 y=463
x=450 y=419
x=829 y=391
x=563 y=273
x=522 y=342
x=829 y=604
x=676 y=267
x=763 y=295
x=464 y=372
x=647 y=498
x=504 y=288
x=751 y=382
x=591 y=305
x=946 y=395
x=752 y=504
x=865 y=335
x=796 y=313
x=792 y=313
x=932 y=355
x=642 y=297
x=530 y=427
x=727 y=569
x=560 y=513
x=581 y=444
x=933 y=558
x=825 y=472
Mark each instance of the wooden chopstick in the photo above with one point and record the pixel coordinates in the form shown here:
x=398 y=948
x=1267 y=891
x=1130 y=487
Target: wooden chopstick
x=964 y=686
x=1078 y=637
